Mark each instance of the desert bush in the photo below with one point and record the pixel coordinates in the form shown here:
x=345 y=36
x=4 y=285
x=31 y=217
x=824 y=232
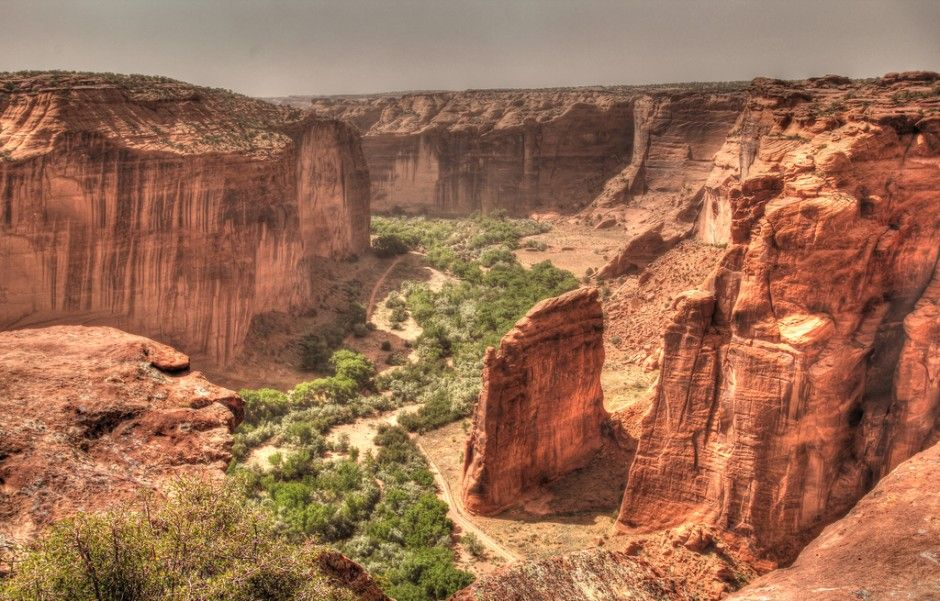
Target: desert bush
x=204 y=541
x=473 y=545
x=389 y=245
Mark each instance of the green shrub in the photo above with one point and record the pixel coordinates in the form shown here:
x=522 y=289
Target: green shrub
x=395 y=359
x=473 y=545
x=205 y=541
x=354 y=366
x=389 y=245
x=264 y=404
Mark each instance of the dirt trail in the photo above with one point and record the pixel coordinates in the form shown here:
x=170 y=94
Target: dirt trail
x=459 y=516
x=378 y=285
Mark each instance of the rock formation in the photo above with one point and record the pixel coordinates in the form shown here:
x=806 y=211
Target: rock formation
x=885 y=548
x=170 y=210
x=454 y=153
x=591 y=575
x=806 y=368
x=541 y=410
x=90 y=416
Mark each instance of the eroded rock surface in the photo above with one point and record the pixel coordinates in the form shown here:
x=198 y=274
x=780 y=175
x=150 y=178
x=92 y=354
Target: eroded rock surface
x=166 y=209
x=541 y=410
x=592 y=575
x=805 y=369
x=90 y=416
x=887 y=547
x=524 y=151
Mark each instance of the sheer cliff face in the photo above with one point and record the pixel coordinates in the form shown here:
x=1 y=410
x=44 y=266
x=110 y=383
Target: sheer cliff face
x=658 y=196
x=806 y=369
x=541 y=410
x=524 y=151
x=90 y=416
x=170 y=210
x=885 y=548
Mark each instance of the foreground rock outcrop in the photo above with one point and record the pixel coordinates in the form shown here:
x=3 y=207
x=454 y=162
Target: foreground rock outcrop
x=591 y=575
x=541 y=410
x=90 y=416
x=806 y=369
x=166 y=209
x=887 y=547
x=524 y=151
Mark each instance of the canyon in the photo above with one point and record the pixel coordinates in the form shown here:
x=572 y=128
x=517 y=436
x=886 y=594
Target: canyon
x=776 y=277
x=803 y=370
x=530 y=151
x=169 y=210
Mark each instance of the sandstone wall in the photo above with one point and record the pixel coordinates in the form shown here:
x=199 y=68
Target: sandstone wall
x=541 y=410
x=805 y=369
x=885 y=548
x=524 y=151
x=168 y=210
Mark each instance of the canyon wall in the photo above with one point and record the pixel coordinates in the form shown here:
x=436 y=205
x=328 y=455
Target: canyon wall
x=525 y=151
x=885 y=548
x=90 y=416
x=169 y=210
x=541 y=410
x=806 y=368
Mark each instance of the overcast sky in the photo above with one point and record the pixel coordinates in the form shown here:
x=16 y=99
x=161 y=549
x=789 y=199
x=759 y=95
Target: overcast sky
x=351 y=46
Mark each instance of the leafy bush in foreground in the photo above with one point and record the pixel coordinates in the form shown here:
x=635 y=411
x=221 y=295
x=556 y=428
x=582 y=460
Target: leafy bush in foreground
x=205 y=542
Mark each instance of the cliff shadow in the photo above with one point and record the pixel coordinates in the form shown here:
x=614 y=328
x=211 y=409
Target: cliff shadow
x=272 y=355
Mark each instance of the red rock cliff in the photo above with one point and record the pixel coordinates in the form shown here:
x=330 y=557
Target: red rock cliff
x=541 y=409
x=535 y=150
x=89 y=416
x=885 y=548
x=806 y=369
x=170 y=210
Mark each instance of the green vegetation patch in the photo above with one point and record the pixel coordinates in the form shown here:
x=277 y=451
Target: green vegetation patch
x=382 y=509
x=205 y=541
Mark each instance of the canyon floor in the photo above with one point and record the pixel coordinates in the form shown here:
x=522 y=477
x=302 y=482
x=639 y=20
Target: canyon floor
x=573 y=513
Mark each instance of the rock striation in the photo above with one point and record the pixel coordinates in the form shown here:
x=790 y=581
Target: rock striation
x=885 y=548
x=90 y=416
x=590 y=575
x=170 y=210
x=524 y=151
x=541 y=410
x=805 y=369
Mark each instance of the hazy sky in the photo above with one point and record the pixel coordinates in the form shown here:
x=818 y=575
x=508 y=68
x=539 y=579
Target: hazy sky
x=348 y=46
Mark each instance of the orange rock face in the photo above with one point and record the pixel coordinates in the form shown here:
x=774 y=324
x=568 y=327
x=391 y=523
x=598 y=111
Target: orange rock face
x=541 y=411
x=806 y=369
x=169 y=210
x=90 y=416
x=591 y=575
x=885 y=548
x=455 y=153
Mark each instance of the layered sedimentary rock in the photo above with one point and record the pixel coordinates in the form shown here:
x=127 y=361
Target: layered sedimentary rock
x=885 y=548
x=658 y=196
x=454 y=153
x=169 y=210
x=806 y=368
x=592 y=575
x=90 y=416
x=541 y=410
